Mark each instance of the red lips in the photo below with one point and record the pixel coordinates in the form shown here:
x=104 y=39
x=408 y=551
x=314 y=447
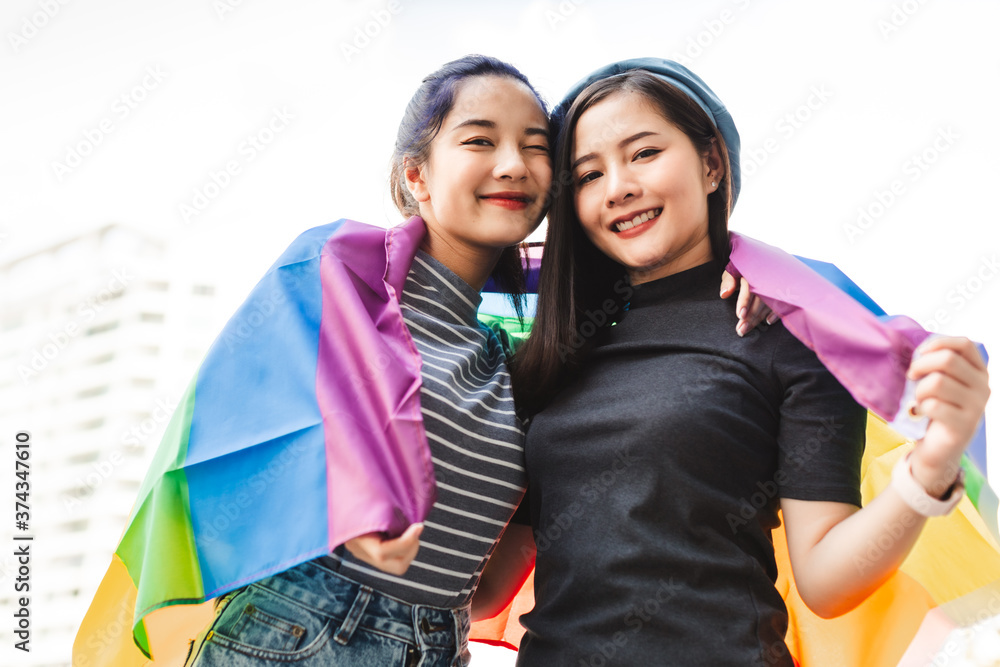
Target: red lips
x=514 y=201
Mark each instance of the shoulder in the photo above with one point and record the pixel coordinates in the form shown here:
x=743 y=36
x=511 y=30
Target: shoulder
x=790 y=353
x=312 y=242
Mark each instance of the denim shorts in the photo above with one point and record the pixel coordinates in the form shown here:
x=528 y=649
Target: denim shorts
x=310 y=615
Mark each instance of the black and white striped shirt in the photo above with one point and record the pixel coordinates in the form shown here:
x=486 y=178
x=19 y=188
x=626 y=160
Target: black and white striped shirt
x=476 y=441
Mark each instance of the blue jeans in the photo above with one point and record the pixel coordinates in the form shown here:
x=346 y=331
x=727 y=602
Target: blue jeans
x=309 y=615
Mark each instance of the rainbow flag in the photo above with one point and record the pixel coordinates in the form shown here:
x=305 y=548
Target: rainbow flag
x=301 y=430
x=297 y=434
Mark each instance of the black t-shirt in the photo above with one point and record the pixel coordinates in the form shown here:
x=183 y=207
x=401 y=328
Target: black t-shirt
x=654 y=483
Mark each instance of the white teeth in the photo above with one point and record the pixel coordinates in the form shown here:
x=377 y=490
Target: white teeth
x=638 y=220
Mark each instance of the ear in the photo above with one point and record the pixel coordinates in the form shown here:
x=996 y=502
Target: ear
x=714 y=170
x=416 y=180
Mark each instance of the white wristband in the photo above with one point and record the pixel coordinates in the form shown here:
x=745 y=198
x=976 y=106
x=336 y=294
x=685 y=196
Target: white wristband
x=915 y=495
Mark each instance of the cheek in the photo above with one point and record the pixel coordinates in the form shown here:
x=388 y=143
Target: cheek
x=544 y=178
x=541 y=169
x=585 y=202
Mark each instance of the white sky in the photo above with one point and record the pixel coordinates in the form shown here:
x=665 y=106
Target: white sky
x=895 y=76
x=885 y=80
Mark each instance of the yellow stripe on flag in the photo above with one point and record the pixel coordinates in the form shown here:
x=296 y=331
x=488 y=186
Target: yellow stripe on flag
x=105 y=636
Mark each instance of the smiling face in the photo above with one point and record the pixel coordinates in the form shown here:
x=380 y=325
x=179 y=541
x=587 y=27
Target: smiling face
x=483 y=186
x=641 y=188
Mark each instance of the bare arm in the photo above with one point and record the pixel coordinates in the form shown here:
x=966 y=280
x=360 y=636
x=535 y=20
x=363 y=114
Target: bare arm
x=505 y=572
x=840 y=554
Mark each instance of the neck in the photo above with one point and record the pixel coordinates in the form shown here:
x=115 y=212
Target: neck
x=470 y=263
x=698 y=254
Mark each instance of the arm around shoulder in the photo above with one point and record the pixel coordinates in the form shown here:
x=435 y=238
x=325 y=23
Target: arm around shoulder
x=505 y=572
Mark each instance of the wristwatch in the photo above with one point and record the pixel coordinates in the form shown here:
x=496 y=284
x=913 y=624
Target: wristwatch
x=915 y=495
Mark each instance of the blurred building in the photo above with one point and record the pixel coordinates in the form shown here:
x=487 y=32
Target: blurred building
x=99 y=336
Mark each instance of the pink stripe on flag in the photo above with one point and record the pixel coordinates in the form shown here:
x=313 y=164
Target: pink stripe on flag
x=867 y=355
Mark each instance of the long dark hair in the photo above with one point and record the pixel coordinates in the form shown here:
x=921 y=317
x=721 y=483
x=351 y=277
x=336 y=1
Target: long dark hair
x=580 y=289
x=421 y=122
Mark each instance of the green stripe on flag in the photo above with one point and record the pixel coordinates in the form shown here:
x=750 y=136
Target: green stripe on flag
x=511 y=325
x=158 y=547
x=974 y=480
x=982 y=495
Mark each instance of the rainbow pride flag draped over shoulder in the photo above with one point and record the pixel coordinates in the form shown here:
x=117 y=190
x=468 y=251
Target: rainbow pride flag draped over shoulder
x=301 y=430
x=298 y=433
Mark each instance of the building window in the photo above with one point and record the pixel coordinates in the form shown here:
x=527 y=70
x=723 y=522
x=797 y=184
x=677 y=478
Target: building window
x=85 y=457
x=74 y=527
x=203 y=290
x=12 y=322
x=101 y=328
x=150 y=317
x=69 y=561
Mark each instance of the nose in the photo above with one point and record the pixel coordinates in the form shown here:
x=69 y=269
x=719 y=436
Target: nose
x=510 y=163
x=620 y=186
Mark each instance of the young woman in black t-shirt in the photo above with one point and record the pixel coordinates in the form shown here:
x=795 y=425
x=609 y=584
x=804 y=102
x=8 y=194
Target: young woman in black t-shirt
x=646 y=435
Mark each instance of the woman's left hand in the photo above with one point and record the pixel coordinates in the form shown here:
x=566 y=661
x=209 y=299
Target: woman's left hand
x=750 y=309
x=952 y=390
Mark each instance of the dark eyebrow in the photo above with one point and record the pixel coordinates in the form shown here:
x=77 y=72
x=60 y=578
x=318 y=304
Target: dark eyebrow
x=490 y=125
x=621 y=144
x=477 y=122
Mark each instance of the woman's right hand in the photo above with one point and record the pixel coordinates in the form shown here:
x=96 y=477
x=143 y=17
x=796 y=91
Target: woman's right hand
x=750 y=308
x=392 y=556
